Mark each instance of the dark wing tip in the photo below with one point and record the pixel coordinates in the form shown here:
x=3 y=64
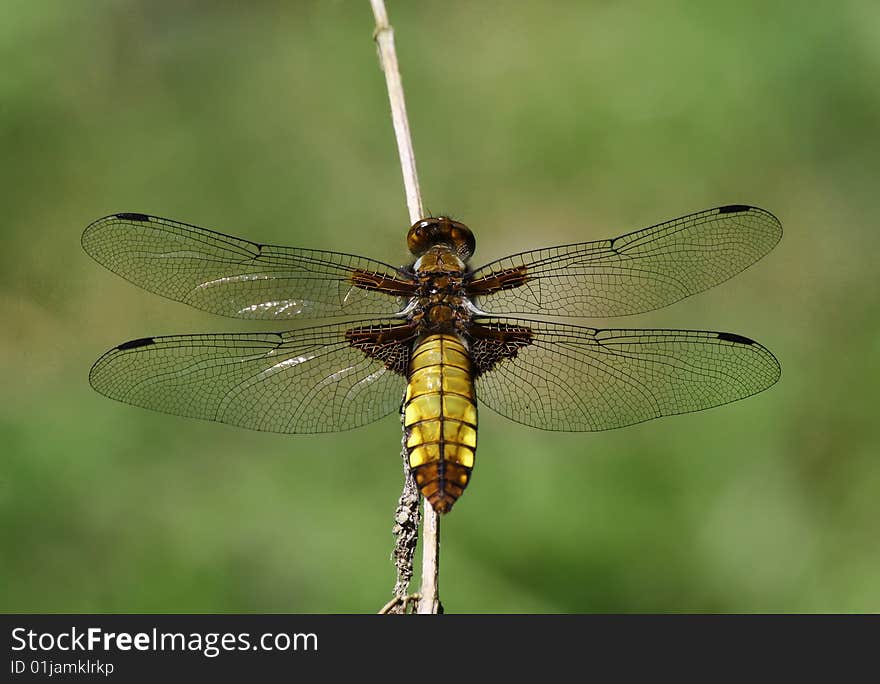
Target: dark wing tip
x=771 y=363
x=734 y=208
x=114 y=218
x=134 y=344
x=93 y=230
x=771 y=223
x=744 y=208
x=132 y=216
x=733 y=337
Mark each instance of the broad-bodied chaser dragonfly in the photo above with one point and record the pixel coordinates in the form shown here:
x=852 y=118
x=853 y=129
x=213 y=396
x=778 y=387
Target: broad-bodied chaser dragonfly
x=431 y=338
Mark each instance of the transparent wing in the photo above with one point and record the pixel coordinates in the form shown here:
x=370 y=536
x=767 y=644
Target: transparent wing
x=233 y=277
x=579 y=379
x=303 y=381
x=634 y=273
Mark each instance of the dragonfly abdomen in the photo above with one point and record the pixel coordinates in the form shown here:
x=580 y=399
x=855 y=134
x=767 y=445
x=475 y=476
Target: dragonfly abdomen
x=440 y=418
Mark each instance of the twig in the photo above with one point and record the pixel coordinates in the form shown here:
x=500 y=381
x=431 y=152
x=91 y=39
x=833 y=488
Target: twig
x=384 y=37
x=406 y=533
x=429 y=594
x=429 y=601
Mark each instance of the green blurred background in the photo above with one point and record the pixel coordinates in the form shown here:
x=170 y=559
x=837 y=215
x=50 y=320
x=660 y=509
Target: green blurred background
x=536 y=123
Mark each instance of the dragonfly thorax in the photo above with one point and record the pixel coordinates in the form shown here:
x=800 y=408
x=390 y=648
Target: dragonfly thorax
x=441 y=302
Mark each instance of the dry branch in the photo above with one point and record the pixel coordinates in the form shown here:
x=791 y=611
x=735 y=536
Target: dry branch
x=406 y=517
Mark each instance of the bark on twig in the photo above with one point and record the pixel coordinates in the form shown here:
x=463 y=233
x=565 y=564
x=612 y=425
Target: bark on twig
x=406 y=516
x=406 y=533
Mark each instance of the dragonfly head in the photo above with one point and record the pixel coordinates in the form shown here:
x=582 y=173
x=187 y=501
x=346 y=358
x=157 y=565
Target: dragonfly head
x=428 y=232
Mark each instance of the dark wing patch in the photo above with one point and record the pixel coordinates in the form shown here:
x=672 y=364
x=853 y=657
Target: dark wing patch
x=394 y=287
x=494 y=342
x=303 y=381
x=234 y=277
x=389 y=344
x=573 y=378
x=637 y=272
x=506 y=279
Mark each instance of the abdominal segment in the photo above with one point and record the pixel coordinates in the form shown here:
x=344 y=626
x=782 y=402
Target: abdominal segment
x=440 y=418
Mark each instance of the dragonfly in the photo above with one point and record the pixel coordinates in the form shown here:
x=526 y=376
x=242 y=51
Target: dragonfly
x=432 y=338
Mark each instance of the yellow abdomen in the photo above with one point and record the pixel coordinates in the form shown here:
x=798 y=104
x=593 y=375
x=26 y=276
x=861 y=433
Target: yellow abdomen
x=440 y=418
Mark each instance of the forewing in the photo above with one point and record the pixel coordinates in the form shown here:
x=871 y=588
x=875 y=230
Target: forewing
x=571 y=378
x=233 y=277
x=637 y=272
x=303 y=381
